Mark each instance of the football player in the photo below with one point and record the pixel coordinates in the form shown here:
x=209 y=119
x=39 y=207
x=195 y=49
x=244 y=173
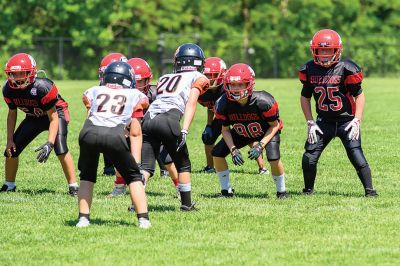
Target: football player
x=113 y=106
x=143 y=75
x=336 y=88
x=214 y=70
x=45 y=109
x=247 y=117
x=177 y=95
x=108 y=59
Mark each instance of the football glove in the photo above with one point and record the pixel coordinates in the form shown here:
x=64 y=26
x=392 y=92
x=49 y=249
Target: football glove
x=313 y=128
x=354 y=127
x=256 y=151
x=44 y=152
x=207 y=134
x=237 y=157
x=182 y=139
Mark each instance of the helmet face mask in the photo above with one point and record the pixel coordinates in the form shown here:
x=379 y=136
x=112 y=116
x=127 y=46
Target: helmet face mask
x=239 y=82
x=188 y=57
x=326 y=47
x=119 y=75
x=214 y=70
x=21 y=71
x=143 y=73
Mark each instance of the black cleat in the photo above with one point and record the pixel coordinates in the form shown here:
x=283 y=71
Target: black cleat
x=4 y=188
x=308 y=191
x=282 y=195
x=109 y=170
x=227 y=193
x=190 y=208
x=164 y=173
x=73 y=191
x=369 y=192
x=208 y=170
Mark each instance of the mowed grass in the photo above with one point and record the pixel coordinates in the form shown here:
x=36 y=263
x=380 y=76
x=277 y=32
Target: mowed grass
x=337 y=225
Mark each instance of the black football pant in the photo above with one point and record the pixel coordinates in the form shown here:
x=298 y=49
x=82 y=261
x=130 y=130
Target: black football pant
x=94 y=140
x=353 y=150
x=163 y=129
x=31 y=127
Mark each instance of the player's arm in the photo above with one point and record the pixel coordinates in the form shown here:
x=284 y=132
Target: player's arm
x=136 y=139
x=53 y=127
x=210 y=117
x=227 y=136
x=11 y=122
x=272 y=130
x=190 y=108
x=306 y=107
x=360 y=102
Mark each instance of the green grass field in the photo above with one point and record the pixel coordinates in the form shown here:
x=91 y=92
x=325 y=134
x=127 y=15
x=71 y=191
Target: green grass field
x=336 y=226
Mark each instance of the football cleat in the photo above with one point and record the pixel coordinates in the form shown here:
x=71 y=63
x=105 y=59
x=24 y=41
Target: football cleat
x=164 y=173
x=282 y=195
x=73 y=191
x=144 y=223
x=228 y=193
x=190 y=208
x=5 y=188
x=109 y=170
x=208 y=170
x=308 y=191
x=262 y=171
x=118 y=190
x=131 y=208
x=83 y=222
x=369 y=192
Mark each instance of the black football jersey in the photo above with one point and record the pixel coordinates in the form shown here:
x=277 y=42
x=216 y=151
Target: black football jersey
x=333 y=88
x=250 y=120
x=152 y=93
x=209 y=98
x=36 y=98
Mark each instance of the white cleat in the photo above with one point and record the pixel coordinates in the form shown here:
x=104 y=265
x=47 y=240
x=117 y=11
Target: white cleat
x=83 y=222
x=144 y=223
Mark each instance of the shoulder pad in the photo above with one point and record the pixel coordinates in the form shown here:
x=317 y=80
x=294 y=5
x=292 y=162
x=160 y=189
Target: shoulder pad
x=263 y=100
x=351 y=67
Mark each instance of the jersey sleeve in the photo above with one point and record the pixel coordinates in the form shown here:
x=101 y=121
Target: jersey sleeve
x=220 y=110
x=152 y=93
x=306 y=90
x=143 y=104
x=353 y=77
x=201 y=83
x=87 y=98
x=8 y=99
x=48 y=93
x=268 y=107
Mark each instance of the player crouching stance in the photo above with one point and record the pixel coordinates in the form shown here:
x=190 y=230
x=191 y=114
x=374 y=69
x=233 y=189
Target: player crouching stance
x=254 y=116
x=112 y=108
x=336 y=87
x=45 y=110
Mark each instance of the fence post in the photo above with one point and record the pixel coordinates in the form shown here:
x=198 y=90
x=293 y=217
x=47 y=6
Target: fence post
x=60 y=57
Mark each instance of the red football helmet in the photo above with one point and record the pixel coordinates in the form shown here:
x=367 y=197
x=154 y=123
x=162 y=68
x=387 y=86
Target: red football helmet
x=326 y=39
x=142 y=72
x=21 y=70
x=239 y=74
x=214 y=69
x=109 y=59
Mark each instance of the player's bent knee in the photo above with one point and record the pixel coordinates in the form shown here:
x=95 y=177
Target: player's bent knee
x=308 y=161
x=357 y=158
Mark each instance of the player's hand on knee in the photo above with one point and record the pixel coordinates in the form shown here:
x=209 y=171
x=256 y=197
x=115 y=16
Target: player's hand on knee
x=313 y=128
x=354 y=127
x=182 y=139
x=237 y=157
x=255 y=151
x=207 y=134
x=44 y=152
x=10 y=148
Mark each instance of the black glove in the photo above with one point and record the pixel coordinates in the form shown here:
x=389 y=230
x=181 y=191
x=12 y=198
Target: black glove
x=182 y=139
x=256 y=151
x=207 y=135
x=44 y=152
x=237 y=156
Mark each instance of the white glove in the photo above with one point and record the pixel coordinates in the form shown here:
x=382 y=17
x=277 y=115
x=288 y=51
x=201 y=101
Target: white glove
x=354 y=127
x=312 y=131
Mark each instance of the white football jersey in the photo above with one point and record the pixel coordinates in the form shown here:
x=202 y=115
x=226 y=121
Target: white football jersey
x=173 y=91
x=110 y=107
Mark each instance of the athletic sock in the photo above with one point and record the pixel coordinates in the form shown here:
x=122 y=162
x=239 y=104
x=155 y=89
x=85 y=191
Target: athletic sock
x=73 y=184
x=279 y=182
x=10 y=185
x=224 y=179
x=186 y=195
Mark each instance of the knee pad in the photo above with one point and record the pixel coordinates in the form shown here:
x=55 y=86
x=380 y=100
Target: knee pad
x=308 y=161
x=208 y=140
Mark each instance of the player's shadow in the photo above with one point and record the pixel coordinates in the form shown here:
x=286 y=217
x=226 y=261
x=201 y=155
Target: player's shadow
x=101 y=222
x=148 y=193
x=328 y=193
x=237 y=195
x=33 y=192
x=162 y=208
